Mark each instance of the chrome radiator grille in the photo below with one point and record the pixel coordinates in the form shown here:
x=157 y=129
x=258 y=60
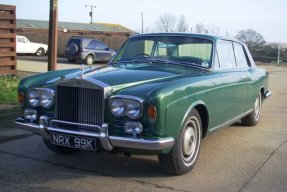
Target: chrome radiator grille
x=79 y=105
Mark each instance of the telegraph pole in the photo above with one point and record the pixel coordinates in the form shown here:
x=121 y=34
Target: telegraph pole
x=278 y=56
x=91 y=12
x=53 y=35
x=142 y=22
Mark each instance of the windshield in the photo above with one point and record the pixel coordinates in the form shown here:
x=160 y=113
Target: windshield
x=167 y=49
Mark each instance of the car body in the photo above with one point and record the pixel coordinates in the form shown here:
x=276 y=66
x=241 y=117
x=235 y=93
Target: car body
x=87 y=50
x=160 y=94
x=24 y=46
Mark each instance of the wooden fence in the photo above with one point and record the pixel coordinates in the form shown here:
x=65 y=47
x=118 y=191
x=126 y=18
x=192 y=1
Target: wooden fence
x=7 y=40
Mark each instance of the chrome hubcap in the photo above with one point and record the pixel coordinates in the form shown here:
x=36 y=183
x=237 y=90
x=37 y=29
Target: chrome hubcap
x=190 y=140
x=257 y=107
x=89 y=60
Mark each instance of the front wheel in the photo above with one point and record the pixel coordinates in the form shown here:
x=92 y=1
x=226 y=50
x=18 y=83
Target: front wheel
x=253 y=118
x=40 y=52
x=89 y=59
x=182 y=158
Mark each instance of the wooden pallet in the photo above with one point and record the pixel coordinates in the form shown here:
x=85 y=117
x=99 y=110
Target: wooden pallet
x=8 y=59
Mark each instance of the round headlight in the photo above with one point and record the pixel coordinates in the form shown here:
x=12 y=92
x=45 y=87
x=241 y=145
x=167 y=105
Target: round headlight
x=133 y=109
x=34 y=98
x=117 y=107
x=46 y=99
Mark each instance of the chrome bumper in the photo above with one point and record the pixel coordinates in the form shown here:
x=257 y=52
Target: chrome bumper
x=107 y=142
x=267 y=94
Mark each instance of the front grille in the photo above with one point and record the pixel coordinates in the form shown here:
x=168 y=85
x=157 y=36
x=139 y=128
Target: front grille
x=79 y=105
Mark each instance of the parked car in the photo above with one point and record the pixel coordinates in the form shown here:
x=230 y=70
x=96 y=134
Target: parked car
x=160 y=94
x=87 y=50
x=23 y=45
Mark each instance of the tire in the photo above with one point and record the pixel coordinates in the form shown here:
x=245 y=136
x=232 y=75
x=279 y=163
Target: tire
x=183 y=157
x=40 y=52
x=89 y=59
x=253 y=118
x=59 y=149
x=73 y=48
x=71 y=60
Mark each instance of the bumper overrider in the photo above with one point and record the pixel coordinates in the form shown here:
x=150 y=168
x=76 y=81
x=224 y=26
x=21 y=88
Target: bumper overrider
x=107 y=142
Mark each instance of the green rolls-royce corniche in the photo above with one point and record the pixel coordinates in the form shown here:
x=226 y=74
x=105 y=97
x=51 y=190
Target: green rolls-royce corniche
x=160 y=94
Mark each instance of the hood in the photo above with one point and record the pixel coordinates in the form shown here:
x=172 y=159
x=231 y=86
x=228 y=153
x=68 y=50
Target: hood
x=123 y=76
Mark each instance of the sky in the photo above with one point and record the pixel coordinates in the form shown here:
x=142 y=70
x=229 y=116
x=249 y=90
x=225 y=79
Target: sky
x=268 y=17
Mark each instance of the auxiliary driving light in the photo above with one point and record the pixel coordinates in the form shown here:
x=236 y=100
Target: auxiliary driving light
x=133 y=127
x=30 y=114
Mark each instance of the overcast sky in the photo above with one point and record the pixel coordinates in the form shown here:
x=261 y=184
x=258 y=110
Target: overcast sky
x=268 y=17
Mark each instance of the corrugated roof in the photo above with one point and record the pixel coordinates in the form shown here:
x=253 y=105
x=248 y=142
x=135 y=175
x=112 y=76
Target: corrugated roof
x=106 y=27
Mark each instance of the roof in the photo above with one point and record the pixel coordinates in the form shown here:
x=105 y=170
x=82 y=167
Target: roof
x=38 y=24
x=199 y=35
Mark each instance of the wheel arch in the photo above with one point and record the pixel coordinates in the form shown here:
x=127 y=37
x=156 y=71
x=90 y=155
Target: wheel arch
x=262 y=91
x=204 y=116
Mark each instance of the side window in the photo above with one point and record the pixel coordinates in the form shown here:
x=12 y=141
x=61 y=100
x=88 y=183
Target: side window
x=91 y=45
x=240 y=55
x=21 y=40
x=100 y=45
x=226 y=54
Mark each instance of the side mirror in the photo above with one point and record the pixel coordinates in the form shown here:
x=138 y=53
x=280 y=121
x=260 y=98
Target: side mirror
x=107 y=48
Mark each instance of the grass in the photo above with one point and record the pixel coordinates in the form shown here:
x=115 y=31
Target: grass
x=8 y=89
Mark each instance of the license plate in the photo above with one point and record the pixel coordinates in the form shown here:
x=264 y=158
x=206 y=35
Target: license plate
x=73 y=141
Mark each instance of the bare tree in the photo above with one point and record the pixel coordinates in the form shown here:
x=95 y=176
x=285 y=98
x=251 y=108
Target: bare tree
x=199 y=28
x=251 y=38
x=166 y=23
x=182 y=26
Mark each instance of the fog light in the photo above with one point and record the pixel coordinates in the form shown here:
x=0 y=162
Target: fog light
x=133 y=127
x=30 y=114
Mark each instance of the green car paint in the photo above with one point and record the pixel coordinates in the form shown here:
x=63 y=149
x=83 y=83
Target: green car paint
x=222 y=96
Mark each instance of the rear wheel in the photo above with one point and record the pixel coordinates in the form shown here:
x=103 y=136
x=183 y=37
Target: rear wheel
x=253 y=118
x=89 y=59
x=182 y=158
x=40 y=52
x=71 y=60
x=59 y=149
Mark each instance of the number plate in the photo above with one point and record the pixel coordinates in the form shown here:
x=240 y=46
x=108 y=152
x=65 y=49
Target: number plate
x=73 y=141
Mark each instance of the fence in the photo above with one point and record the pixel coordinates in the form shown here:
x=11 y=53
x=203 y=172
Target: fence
x=7 y=40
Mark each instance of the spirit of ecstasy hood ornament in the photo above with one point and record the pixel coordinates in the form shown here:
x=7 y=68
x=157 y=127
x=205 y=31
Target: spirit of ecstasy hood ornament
x=82 y=71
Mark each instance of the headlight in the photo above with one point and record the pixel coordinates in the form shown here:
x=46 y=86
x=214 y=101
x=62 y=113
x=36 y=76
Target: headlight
x=117 y=107
x=133 y=109
x=46 y=99
x=34 y=98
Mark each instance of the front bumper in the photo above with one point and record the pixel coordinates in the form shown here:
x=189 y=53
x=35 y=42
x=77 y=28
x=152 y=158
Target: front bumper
x=107 y=142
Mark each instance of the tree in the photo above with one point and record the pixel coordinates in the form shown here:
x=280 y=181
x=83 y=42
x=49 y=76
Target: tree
x=251 y=38
x=166 y=23
x=199 y=28
x=182 y=26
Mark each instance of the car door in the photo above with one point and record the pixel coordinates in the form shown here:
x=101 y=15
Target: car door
x=21 y=44
x=102 y=51
x=230 y=86
x=243 y=64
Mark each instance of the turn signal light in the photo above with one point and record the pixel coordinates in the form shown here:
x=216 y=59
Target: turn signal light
x=21 y=98
x=152 y=113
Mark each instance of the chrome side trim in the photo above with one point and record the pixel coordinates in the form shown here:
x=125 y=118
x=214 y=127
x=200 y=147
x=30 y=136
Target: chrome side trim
x=267 y=94
x=145 y=144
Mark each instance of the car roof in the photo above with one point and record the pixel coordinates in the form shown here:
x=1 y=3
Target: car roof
x=198 y=35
